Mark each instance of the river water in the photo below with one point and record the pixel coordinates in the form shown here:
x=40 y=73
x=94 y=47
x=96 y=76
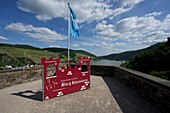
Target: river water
x=107 y=62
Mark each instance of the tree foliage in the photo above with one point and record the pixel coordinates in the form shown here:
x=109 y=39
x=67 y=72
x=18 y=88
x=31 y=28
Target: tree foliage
x=155 y=62
x=14 y=62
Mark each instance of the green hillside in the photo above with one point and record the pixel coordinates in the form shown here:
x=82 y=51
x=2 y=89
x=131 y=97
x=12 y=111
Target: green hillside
x=19 y=46
x=7 y=60
x=73 y=53
x=155 y=62
x=130 y=55
x=35 y=55
x=19 y=53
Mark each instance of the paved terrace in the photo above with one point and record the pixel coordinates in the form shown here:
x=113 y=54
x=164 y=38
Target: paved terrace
x=106 y=95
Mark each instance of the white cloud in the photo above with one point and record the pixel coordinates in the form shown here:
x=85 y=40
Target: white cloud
x=81 y=49
x=75 y=45
x=120 y=44
x=129 y=2
x=39 y=33
x=103 y=44
x=103 y=48
x=106 y=31
x=89 y=44
x=154 y=14
x=3 y=38
x=86 y=10
x=139 y=30
x=55 y=46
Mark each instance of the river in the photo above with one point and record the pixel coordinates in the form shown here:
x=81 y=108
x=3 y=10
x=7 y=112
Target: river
x=107 y=62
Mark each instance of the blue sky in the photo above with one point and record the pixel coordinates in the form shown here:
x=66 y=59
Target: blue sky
x=106 y=26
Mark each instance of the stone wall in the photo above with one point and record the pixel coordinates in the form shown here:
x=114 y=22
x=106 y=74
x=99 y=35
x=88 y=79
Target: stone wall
x=102 y=70
x=18 y=76
x=152 y=89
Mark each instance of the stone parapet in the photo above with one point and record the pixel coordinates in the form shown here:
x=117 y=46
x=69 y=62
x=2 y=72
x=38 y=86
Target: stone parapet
x=18 y=76
x=152 y=89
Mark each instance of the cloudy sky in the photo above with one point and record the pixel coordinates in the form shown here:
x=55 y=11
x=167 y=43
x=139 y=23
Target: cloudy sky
x=106 y=26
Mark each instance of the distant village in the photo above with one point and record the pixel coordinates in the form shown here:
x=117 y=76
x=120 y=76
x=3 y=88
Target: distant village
x=23 y=67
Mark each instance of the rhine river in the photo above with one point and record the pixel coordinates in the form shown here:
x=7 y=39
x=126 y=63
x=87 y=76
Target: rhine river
x=107 y=62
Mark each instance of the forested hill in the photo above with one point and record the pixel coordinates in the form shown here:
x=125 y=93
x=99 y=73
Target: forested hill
x=19 y=55
x=19 y=46
x=130 y=55
x=73 y=53
x=155 y=62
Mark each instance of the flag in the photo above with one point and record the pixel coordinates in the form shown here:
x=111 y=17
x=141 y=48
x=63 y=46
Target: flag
x=74 y=29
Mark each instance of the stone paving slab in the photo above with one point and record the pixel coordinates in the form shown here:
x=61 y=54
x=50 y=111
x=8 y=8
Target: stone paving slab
x=26 y=98
x=129 y=101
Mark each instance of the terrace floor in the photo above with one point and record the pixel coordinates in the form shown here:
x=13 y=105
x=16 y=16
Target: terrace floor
x=106 y=95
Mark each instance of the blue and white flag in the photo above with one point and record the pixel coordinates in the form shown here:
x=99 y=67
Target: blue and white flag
x=74 y=30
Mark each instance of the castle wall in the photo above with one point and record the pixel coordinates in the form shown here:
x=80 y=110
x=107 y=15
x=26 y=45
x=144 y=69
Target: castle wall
x=152 y=89
x=12 y=77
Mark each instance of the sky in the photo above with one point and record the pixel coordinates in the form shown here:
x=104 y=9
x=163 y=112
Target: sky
x=106 y=26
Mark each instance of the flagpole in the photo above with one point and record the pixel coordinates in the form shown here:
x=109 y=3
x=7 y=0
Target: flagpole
x=68 y=41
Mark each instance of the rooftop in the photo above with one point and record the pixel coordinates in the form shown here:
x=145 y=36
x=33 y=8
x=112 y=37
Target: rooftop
x=106 y=95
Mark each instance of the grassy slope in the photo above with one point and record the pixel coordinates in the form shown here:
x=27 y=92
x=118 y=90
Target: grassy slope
x=73 y=53
x=32 y=54
x=36 y=54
